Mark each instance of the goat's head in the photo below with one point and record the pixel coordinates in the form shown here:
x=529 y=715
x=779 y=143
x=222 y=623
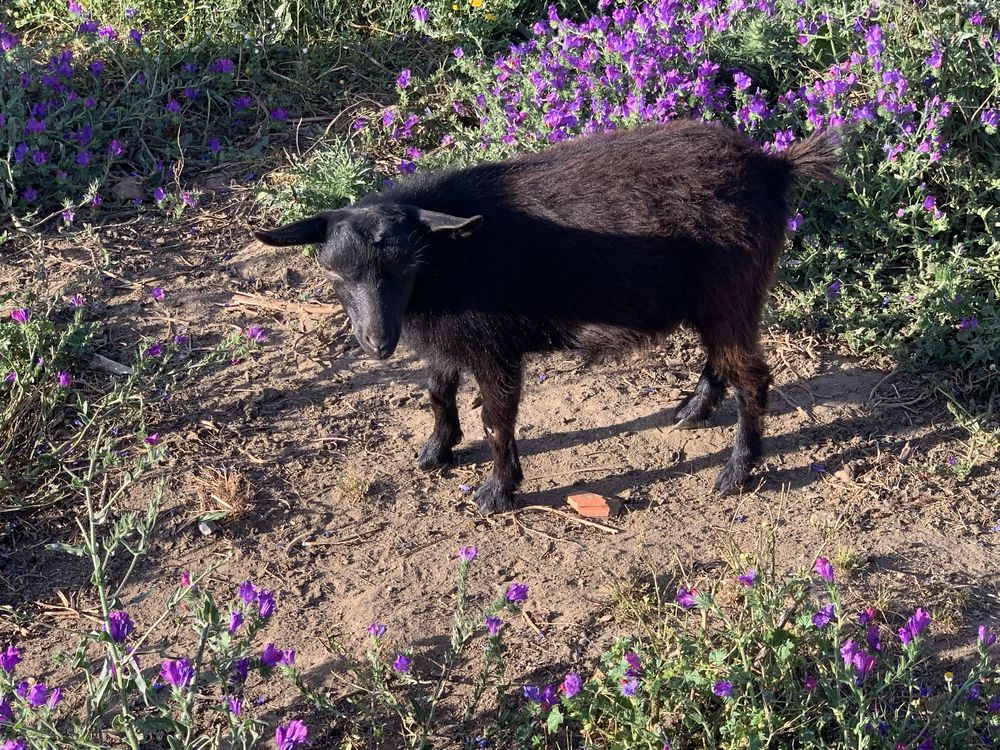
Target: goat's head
x=371 y=255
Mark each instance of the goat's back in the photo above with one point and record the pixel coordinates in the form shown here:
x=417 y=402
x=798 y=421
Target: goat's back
x=610 y=237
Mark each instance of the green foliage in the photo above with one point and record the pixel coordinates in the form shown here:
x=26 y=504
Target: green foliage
x=65 y=426
x=767 y=669
x=114 y=693
x=332 y=177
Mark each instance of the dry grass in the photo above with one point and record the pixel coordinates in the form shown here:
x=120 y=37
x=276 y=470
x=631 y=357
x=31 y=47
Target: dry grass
x=223 y=493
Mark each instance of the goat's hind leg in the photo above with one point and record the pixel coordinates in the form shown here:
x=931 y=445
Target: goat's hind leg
x=693 y=412
x=750 y=377
x=443 y=387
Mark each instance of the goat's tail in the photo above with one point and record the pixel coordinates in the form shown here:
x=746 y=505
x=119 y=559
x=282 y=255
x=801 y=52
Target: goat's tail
x=815 y=158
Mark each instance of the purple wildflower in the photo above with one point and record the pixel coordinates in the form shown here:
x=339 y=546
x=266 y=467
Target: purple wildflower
x=97 y=67
x=517 y=592
x=376 y=630
x=723 y=689
x=687 y=598
x=404 y=78
x=173 y=106
x=214 y=146
x=235 y=620
x=255 y=333
x=810 y=683
x=402 y=663
x=83 y=158
x=119 y=625
x=69 y=215
x=930 y=203
x=154 y=439
x=37 y=695
x=976 y=19
x=10 y=377
x=55 y=697
x=824 y=569
x=157 y=293
x=866 y=617
x=136 y=36
x=833 y=291
x=178 y=673
x=795 y=222
x=115 y=149
x=248 y=592
x=154 y=350
x=634 y=664
x=223 y=65
x=914 y=626
x=65 y=379
x=547 y=696
x=159 y=195
x=291 y=735
x=279 y=115
x=571 y=685
x=986 y=636
x=629 y=685
x=242 y=102
x=749 y=578
x=823 y=618
x=107 y=32
x=467 y=554
x=270 y=656
x=241 y=669
x=75 y=8
x=968 y=324
x=7 y=40
x=493 y=624
x=10 y=659
x=990 y=117
x=419 y=14
x=265 y=603
x=234 y=705
x=458 y=52
x=873 y=637
x=20 y=315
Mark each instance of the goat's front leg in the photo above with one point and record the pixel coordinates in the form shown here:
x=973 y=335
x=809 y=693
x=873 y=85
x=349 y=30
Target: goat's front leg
x=442 y=385
x=500 y=385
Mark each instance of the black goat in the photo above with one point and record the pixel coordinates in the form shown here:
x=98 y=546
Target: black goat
x=605 y=242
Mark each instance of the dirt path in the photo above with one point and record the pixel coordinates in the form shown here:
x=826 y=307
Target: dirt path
x=348 y=531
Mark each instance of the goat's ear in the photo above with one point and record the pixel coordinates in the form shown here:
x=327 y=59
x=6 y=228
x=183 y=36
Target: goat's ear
x=305 y=232
x=457 y=226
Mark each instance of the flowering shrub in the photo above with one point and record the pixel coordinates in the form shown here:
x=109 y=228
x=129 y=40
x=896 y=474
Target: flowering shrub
x=62 y=428
x=391 y=700
x=200 y=700
x=783 y=665
x=900 y=260
x=112 y=111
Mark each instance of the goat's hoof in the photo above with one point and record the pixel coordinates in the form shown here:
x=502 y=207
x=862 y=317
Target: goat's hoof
x=435 y=455
x=492 y=498
x=692 y=423
x=731 y=478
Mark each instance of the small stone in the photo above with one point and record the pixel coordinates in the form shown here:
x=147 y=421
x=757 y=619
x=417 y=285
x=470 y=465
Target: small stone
x=207 y=528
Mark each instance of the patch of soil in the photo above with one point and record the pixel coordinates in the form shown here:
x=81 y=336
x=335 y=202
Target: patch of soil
x=348 y=531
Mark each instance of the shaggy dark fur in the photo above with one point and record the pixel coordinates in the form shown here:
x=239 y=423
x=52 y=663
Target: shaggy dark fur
x=606 y=242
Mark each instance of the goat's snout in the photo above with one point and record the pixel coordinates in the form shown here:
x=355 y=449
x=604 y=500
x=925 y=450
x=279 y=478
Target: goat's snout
x=380 y=346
